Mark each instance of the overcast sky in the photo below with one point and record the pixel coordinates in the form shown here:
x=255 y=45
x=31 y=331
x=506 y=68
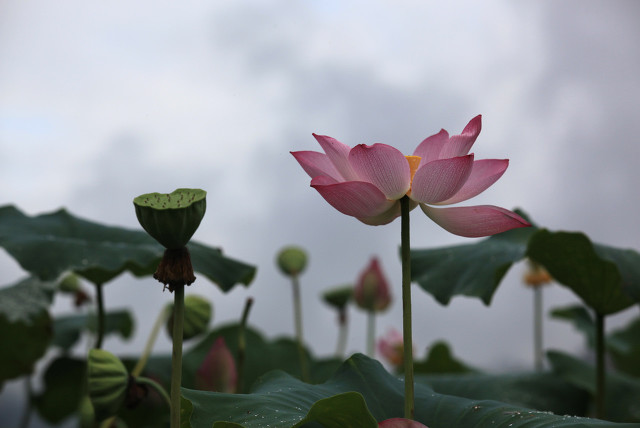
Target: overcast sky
x=101 y=102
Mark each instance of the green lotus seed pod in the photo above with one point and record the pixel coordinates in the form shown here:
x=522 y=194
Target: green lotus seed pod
x=70 y=283
x=171 y=218
x=339 y=297
x=107 y=380
x=197 y=315
x=292 y=260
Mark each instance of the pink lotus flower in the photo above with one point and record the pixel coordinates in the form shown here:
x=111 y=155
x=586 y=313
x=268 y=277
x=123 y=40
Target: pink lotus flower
x=391 y=347
x=218 y=370
x=372 y=289
x=400 y=423
x=367 y=182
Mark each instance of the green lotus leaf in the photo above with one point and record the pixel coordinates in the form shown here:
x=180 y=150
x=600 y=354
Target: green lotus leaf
x=25 y=325
x=171 y=218
x=48 y=245
x=278 y=399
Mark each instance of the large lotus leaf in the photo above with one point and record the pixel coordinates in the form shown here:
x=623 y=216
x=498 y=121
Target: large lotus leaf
x=261 y=356
x=280 y=400
x=473 y=270
x=574 y=262
x=581 y=319
x=67 y=329
x=63 y=389
x=49 y=244
x=624 y=348
x=25 y=326
x=540 y=391
x=622 y=393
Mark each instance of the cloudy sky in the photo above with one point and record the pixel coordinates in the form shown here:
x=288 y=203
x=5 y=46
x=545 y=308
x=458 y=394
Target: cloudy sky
x=102 y=102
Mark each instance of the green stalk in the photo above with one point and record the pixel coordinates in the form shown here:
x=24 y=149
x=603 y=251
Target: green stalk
x=176 y=357
x=297 y=313
x=537 y=327
x=342 y=332
x=242 y=343
x=406 y=308
x=26 y=416
x=100 y=324
x=600 y=370
x=371 y=333
x=160 y=321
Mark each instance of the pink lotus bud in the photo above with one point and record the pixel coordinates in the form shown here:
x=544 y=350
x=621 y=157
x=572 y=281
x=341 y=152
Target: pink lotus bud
x=372 y=289
x=391 y=347
x=400 y=423
x=218 y=370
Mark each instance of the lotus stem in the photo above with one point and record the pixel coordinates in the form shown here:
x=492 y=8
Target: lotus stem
x=342 y=333
x=26 y=416
x=406 y=308
x=160 y=321
x=176 y=357
x=600 y=369
x=297 y=314
x=537 y=328
x=242 y=343
x=100 y=323
x=371 y=333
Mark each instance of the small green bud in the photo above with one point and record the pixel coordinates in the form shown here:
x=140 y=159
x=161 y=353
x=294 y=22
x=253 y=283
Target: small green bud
x=108 y=381
x=171 y=218
x=292 y=260
x=197 y=316
x=339 y=297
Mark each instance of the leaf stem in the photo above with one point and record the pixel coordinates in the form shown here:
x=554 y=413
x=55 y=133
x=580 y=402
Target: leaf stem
x=406 y=308
x=600 y=369
x=297 y=313
x=26 y=416
x=100 y=307
x=176 y=357
x=160 y=321
x=242 y=343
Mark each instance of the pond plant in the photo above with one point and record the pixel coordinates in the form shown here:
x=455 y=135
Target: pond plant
x=233 y=375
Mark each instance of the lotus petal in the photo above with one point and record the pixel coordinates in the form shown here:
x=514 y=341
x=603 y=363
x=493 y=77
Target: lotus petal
x=475 y=221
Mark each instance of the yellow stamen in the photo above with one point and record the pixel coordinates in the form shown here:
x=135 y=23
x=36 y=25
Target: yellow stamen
x=414 y=162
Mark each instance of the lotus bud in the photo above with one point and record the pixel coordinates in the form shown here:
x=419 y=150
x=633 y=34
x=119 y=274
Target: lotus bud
x=372 y=289
x=197 y=315
x=292 y=260
x=172 y=219
x=108 y=382
x=218 y=370
x=391 y=348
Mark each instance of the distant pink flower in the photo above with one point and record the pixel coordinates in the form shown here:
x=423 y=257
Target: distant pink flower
x=218 y=370
x=400 y=423
x=372 y=289
x=391 y=347
x=367 y=182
